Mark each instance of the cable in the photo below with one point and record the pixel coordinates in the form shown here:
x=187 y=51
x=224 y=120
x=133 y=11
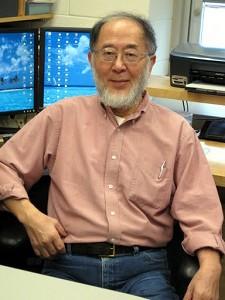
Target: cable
x=185 y=105
x=189 y=22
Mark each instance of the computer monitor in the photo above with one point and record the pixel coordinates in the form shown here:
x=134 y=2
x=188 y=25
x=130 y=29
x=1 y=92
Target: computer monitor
x=18 y=70
x=64 y=67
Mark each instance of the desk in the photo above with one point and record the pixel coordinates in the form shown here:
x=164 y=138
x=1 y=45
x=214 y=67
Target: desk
x=22 y=285
x=159 y=86
x=215 y=153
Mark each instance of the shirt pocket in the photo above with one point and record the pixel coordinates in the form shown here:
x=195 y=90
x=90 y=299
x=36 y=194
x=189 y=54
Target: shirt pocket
x=151 y=185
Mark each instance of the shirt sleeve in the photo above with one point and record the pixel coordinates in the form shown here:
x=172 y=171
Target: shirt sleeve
x=196 y=204
x=25 y=156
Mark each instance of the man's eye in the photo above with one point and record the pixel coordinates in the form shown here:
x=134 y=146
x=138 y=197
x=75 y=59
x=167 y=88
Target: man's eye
x=131 y=54
x=108 y=52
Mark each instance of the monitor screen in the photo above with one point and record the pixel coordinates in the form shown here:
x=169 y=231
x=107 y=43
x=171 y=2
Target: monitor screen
x=64 y=67
x=18 y=70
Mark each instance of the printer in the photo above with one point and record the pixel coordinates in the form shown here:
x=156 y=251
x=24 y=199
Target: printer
x=198 y=69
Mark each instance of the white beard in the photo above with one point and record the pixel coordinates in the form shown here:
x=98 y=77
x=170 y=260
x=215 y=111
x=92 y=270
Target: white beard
x=120 y=99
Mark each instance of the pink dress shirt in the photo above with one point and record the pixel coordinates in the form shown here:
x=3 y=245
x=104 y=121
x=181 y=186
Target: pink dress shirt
x=122 y=184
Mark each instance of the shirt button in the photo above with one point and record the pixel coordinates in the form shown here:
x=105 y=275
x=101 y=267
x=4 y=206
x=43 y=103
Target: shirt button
x=112 y=213
x=110 y=186
x=114 y=157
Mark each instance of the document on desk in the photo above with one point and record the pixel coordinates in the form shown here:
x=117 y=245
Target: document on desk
x=206 y=88
x=214 y=151
x=23 y=285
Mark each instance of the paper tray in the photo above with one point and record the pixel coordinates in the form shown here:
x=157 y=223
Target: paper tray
x=215 y=89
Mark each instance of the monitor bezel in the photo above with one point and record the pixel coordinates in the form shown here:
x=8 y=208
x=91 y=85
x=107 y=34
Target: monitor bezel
x=43 y=30
x=35 y=99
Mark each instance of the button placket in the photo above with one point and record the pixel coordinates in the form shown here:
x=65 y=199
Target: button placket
x=111 y=177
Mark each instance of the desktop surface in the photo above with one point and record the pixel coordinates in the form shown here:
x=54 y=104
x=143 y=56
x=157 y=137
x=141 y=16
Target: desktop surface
x=214 y=152
x=20 y=285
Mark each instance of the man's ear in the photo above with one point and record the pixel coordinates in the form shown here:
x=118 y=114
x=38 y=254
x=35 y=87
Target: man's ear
x=152 y=62
x=90 y=57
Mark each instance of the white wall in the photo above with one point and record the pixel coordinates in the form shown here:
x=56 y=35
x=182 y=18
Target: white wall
x=161 y=16
x=85 y=13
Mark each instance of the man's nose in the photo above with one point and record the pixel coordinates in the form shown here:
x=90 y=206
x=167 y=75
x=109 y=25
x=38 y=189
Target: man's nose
x=119 y=63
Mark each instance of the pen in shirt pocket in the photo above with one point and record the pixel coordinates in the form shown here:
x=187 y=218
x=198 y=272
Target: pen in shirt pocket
x=162 y=168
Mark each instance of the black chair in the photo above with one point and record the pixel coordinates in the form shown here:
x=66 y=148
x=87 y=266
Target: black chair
x=16 y=251
x=183 y=266
x=15 y=247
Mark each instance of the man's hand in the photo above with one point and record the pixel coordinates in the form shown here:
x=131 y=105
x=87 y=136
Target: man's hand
x=205 y=283
x=45 y=233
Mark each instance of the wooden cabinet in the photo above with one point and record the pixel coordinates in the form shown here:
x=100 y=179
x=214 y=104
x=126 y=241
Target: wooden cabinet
x=21 y=15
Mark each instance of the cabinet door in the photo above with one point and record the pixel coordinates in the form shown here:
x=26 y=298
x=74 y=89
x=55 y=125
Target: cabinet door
x=9 y=8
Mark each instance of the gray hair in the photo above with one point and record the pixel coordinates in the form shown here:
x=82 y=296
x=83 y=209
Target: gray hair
x=147 y=28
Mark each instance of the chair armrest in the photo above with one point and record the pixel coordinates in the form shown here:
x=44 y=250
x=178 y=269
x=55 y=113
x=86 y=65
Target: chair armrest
x=15 y=247
x=12 y=232
x=182 y=266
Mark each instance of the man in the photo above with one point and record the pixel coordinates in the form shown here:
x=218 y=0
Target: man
x=122 y=169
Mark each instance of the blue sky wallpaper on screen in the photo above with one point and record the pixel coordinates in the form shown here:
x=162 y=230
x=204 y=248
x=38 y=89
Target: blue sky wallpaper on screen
x=67 y=71
x=16 y=71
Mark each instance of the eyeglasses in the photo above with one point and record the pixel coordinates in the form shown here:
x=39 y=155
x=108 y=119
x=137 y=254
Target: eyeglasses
x=128 y=56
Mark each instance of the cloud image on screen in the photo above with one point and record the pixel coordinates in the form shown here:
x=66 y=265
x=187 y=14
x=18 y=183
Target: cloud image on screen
x=66 y=61
x=16 y=61
x=67 y=71
x=16 y=71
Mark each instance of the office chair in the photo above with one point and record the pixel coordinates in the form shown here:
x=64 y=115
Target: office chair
x=15 y=248
x=16 y=251
x=182 y=266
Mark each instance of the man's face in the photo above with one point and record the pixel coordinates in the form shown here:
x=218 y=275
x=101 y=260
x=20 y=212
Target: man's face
x=121 y=83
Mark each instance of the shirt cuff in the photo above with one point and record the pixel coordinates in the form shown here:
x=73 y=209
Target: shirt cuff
x=9 y=190
x=203 y=240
